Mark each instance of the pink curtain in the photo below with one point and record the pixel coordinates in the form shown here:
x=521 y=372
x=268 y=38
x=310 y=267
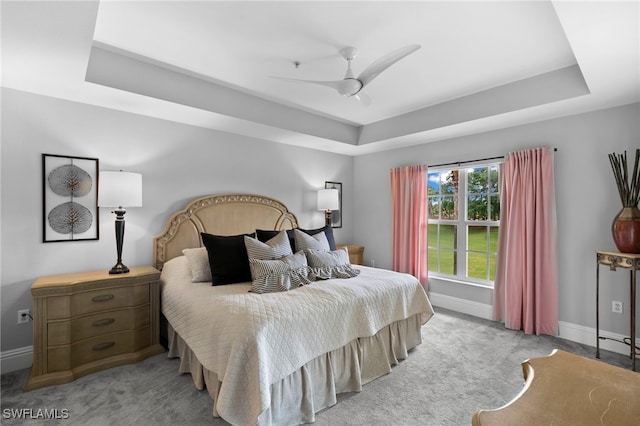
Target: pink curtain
x=409 y=215
x=526 y=285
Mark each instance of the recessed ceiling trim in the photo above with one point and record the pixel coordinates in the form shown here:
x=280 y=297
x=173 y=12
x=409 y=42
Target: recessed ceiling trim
x=546 y=88
x=140 y=75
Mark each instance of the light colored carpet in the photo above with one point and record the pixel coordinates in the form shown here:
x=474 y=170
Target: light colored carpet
x=464 y=364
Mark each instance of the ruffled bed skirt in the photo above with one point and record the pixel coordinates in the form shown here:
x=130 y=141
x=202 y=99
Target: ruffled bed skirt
x=296 y=398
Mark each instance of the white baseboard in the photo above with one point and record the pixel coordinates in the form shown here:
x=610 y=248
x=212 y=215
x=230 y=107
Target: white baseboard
x=587 y=335
x=16 y=359
x=566 y=330
x=476 y=309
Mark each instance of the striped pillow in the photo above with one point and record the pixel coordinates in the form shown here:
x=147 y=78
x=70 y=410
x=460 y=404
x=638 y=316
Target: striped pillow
x=274 y=248
x=305 y=241
x=281 y=274
x=331 y=264
x=318 y=258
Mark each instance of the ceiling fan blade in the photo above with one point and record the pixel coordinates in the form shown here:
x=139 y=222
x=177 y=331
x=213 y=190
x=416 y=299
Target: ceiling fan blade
x=385 y=62
x=332 y=84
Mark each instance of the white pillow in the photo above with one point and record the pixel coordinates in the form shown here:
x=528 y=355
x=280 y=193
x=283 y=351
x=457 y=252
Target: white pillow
x=275 y=248
x=199 y=263
x=305 y=241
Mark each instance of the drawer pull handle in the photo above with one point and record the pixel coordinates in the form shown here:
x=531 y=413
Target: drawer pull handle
x=103 y=322
x=102 y=298
x=103 y=346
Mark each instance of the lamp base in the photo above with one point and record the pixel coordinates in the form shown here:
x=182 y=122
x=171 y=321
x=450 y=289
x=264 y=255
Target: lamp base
x=119 y=268
x=327 y=218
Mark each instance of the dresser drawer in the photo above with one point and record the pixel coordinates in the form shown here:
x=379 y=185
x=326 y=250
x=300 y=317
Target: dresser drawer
x=66 y=357
x=64 y=307
x=65 y=332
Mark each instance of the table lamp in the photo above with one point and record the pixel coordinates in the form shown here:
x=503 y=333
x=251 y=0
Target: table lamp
x=328 y=199
x=118 y=189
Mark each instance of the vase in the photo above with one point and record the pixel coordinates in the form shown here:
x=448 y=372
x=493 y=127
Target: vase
x=626 y=230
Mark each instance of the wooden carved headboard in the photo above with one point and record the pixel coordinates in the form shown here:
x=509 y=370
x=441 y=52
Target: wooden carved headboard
x=229 y=214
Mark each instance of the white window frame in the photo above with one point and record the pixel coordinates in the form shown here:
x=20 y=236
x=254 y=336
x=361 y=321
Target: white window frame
x=462 y=224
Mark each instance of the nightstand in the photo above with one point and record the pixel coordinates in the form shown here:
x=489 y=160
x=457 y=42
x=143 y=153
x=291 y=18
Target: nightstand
x=356 y=253
x=91 y=321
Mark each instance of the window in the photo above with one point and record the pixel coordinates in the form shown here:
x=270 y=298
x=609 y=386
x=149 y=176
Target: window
x=464 y=218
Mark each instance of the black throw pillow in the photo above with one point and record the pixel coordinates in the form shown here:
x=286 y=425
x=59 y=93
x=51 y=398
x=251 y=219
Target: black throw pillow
x=228 y=258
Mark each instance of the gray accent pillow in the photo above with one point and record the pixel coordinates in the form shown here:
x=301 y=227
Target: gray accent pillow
x=305 y=241
x=330 y=264
x=275 y=248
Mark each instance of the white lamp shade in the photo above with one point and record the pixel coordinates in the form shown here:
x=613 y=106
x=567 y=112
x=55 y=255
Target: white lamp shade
x=328 y=199
x=120 y=189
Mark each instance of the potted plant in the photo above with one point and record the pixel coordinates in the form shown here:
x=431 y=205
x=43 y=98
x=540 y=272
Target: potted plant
x=626 y=225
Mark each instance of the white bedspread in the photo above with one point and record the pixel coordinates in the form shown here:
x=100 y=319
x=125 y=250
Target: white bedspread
x=253 y=340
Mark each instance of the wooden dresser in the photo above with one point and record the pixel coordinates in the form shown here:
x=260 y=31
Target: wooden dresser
x=87 y=322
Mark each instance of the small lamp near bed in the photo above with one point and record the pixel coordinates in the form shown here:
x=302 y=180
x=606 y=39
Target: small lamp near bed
x=119 y=189
x=328 y=200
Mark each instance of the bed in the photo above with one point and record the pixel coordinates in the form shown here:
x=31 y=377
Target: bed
x=278 y=357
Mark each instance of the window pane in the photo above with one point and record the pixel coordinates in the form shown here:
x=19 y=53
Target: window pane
x=493 y=179
x=432 y=259
x=477 y=207
x=493 y=239
x=432 y=236
x=433 y=183
x=448 y=262
x=477 y=180
x=477 y=265
x=449 y=182
x=448 y=236
x=434 y=207
x=477 y=238
x=449 y=208
x=494 y=207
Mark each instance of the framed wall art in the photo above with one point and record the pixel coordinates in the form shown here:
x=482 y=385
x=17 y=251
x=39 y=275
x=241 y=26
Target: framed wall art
x=336 y=215
x=69 y=198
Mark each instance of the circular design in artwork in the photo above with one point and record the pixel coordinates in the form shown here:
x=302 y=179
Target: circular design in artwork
x=70 y=217
x=70 y=180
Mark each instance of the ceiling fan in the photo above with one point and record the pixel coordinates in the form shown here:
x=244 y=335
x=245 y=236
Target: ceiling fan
x=351 y=85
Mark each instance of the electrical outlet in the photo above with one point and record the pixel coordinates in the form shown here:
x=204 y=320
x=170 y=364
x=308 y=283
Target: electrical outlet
x=616 y=306
x=23 y=316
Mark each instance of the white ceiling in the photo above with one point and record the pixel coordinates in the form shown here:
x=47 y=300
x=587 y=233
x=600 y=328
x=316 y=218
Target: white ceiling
x=482 y=65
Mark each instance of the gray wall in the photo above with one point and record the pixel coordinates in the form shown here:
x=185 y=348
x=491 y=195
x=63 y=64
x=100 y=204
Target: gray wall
x=178 y=163
x=587 y=201
x=181 y=162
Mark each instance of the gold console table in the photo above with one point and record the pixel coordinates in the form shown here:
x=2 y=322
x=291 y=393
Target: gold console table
x=616 y=260
x=567 y=389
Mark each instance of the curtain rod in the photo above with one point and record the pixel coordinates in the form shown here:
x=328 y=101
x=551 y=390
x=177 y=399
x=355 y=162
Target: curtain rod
x=457 y=163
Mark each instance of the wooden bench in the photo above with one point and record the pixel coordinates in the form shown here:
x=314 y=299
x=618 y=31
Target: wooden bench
x=567 y=389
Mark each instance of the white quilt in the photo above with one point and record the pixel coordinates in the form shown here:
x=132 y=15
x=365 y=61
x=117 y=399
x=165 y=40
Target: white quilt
x=253 y=340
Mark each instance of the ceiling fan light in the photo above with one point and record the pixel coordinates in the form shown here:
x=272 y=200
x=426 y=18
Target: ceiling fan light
x=349 y=87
